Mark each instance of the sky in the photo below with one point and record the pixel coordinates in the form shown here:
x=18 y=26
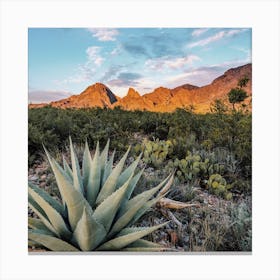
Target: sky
x=65 y=61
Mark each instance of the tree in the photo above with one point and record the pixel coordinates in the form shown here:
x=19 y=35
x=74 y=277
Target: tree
x=243 y=82
x=237 y=95
x=218 y=107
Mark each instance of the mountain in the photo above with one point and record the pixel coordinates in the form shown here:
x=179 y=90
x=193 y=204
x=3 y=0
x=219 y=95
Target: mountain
x=97 y=95
x=161 y=99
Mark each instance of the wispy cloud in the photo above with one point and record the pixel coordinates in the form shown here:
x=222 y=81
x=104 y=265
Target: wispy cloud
x=170 y=63
x=199 y=31
x=112 y=72
x=86 y=71
x=46 y=96
x=135 y=50
x=142 y=85
x=245 y=51
x=208 y=40
x=198 y=76
x=94 y=56
x=216 y=37
x=127 y=79
x=129 y=76
x=104 y=34
x=117 y=50
x=202 y=75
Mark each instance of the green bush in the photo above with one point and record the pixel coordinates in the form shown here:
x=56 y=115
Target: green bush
x=155 y=152
x=218 y=186
x=223 y=139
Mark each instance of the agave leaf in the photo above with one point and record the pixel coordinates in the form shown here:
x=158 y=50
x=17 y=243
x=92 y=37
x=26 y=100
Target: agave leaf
x=77 y=179
x=129 y=230
x=129 y=191
x=104 y=157
x=54 y=203
x=166 y=188
x=108 y=168
x=74 y=200
x=144 y=209
x=89 y=233
x=67 y=169
x=33 y=244
x=38 y=224
x=173 y=204
x=41 y=214
x=133 y=184
x=107 y=209
x=86 y=165
x=144 y=243
x=54 y=217
x=128 y=172
x=110 y=185
x=146 y=194
x=131 y=209
x=93 y=185
x=50 y=242
x=124 y=240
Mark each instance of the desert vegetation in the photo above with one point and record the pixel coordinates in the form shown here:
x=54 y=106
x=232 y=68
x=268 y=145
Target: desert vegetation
x=208 y=206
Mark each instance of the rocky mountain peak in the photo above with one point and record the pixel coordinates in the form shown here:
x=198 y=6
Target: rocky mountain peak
x=132 y=93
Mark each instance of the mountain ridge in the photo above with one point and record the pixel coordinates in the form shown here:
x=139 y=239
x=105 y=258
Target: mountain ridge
x=160 y=99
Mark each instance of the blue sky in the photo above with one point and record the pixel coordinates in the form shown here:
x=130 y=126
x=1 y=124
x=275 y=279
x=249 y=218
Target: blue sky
x=64 y=61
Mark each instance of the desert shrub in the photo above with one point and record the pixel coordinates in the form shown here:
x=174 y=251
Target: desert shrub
x=195 y=165
x=218 y=186
x=239 y=234
x=155 y=152
x=186 y=130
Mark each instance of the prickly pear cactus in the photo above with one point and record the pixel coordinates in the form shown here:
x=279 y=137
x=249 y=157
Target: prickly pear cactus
x=193 y=166
x=156 y=152
x=218 y=186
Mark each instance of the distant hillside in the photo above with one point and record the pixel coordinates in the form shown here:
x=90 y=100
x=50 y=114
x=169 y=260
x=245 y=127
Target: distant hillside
x=161 y=99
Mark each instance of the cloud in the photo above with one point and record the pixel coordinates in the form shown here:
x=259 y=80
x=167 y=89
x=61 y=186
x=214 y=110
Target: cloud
x=203 y=75
x=248 y=52
x=124 y=80
x=142 y=85
x=116 y=50
x=127 y=76
x=170 y=63
x=216 y=37
x=128 y=79
x=208 y=40
x=156 y=43
x=199 y=31
x=135 y=50
x=198 y=77
x=93 y=55
x=112 y=72
x=86 y=71
x=104 y=34
x=46 y=96
x=232 y=63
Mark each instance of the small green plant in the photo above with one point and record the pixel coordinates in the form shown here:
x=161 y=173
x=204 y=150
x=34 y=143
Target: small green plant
x=156 y=152
x=218 y=186
x=96 y=210
x=193 y=167
x=241 y=228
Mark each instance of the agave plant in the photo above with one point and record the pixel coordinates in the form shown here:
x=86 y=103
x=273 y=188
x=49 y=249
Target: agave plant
x=97 y=211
